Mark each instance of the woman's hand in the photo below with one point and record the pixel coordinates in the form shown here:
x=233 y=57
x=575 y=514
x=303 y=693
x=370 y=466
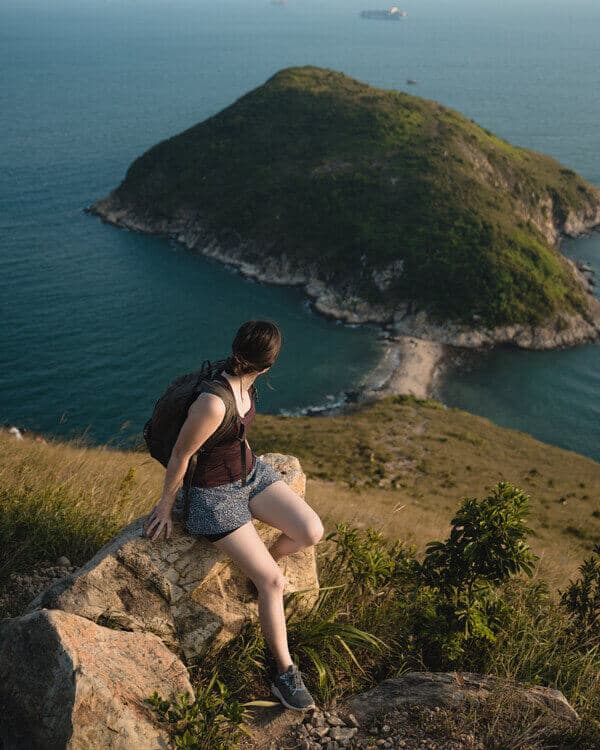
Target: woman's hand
x=160 y=518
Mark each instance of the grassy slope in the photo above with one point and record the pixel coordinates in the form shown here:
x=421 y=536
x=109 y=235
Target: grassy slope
x=349 y=177
x=62 y=499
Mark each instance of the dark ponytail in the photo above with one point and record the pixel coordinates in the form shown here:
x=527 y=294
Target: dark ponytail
x=256 y=345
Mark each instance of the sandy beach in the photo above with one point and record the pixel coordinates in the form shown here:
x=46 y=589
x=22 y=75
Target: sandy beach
x=408 y=366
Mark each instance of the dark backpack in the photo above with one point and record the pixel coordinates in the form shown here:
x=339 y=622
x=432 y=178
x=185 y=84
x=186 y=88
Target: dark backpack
x=170 y=412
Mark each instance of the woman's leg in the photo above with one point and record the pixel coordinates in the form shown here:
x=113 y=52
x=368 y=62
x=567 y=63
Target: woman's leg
x=245 y=547
x=280 y=506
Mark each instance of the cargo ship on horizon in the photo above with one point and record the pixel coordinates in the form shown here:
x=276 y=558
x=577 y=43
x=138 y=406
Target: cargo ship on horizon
x=393 y=14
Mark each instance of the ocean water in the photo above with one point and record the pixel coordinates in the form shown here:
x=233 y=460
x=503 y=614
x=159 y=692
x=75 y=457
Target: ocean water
x=96 y=320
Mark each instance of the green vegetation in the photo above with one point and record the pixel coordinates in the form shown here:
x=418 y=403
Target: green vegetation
x=478 y=600
x=382 y=611
x=346 y=178
x=213 y=721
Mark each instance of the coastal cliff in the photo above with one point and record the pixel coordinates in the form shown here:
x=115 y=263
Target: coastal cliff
x=386 y=208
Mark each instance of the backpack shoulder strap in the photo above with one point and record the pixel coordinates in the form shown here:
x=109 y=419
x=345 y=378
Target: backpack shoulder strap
x=231 y=414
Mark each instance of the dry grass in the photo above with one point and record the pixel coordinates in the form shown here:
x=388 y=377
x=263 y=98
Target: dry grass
x=397 y=465
x=110 y=483
x=402 y=467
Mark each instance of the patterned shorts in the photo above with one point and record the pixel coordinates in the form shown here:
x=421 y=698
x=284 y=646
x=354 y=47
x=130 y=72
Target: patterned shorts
x=217 y=511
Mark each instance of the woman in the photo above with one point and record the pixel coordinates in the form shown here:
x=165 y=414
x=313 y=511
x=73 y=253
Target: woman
x=221 y=508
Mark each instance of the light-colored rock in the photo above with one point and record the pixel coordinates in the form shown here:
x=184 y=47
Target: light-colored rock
x=419 y=370
x=450 y=689
x=182 y=589
x=565 y=330
x=263 y=263
x=70 y=684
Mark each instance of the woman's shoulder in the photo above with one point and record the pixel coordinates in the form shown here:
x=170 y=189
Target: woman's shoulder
x=209 y=404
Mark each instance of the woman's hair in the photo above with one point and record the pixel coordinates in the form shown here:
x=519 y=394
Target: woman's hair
x=256 y=345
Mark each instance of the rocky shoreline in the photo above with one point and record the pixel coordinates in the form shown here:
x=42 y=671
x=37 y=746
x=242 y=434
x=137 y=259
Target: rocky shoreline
x=417 y=350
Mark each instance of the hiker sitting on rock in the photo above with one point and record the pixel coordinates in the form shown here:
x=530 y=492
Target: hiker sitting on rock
x=227 y=485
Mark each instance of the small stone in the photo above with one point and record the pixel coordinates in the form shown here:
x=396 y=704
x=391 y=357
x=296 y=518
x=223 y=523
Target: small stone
x=63 y=562
x=304 y=745
x=381 y=742
x=342 y=734
x=334 y=721
x=353 y=721
x=385 y=728
x=321 y=731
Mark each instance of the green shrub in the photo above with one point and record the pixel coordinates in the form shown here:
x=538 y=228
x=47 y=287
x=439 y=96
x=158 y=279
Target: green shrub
x=582 y=599
x=213 y=721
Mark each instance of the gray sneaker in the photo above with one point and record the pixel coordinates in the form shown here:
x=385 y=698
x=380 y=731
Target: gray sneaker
x=291 y=691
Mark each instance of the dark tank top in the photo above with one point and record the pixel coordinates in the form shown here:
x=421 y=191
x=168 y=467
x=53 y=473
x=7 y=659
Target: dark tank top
x=223 y=463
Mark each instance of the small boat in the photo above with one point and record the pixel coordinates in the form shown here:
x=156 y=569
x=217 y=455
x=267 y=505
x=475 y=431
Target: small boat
x=411 y=81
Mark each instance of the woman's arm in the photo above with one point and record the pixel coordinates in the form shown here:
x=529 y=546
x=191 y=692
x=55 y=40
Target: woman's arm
x=204 y=417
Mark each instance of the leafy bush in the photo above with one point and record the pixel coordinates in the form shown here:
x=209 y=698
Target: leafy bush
x=213 y=721
x=582 y=599
x=485 y=548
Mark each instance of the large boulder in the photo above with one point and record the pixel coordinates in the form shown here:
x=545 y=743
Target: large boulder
x=68 y=683
x=182 y=589
x=448 y=690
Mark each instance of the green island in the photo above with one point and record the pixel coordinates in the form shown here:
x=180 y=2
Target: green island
x=394 y=199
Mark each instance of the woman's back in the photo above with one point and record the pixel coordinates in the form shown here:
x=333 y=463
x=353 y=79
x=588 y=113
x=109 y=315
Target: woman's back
x=223 y=463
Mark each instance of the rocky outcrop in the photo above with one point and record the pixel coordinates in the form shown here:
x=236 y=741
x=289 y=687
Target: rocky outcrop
x=78 y=665
x=448 y=690
x=418 y=364
x=562 y=331
x=251 y=261
x=69 y=683
x=21 y=587
x=182 y=589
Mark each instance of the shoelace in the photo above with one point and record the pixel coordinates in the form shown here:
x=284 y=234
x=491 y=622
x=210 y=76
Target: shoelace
x=294 y=680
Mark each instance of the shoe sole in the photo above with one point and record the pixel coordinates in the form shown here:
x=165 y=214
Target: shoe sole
x=278 y=695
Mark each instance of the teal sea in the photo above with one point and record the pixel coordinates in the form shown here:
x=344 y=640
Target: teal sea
x=96 y=320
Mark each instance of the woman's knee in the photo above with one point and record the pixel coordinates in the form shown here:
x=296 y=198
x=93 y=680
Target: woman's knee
x=273 y=583
x=311 y=532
